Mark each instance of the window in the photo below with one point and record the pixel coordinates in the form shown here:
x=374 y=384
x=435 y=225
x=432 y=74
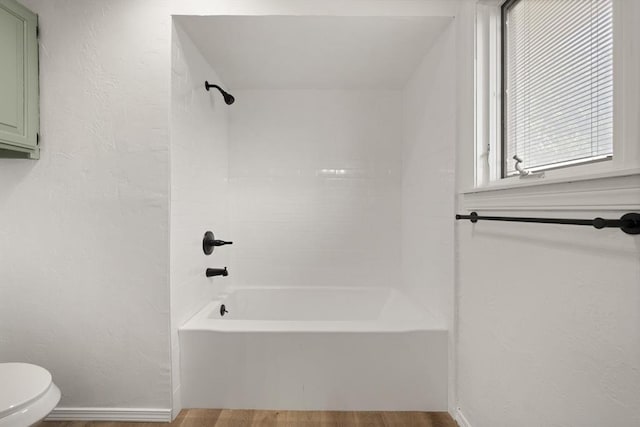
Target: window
x=557 y=83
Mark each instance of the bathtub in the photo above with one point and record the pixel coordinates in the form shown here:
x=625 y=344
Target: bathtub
x=314 y=349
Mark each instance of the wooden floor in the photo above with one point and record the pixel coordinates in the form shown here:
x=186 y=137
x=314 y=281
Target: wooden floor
x=242 y=418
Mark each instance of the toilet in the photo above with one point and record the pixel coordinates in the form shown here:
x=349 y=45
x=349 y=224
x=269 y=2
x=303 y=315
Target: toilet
x=27 y=394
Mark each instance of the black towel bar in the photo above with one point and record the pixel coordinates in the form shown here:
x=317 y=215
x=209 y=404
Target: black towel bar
x=629 y=222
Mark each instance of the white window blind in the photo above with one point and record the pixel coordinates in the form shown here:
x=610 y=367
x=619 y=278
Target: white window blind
x=558 y=71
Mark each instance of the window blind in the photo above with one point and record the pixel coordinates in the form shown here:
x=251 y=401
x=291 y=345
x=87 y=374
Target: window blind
x=558 y=88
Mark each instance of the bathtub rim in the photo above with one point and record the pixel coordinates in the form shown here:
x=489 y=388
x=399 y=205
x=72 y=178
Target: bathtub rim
x=201 y=322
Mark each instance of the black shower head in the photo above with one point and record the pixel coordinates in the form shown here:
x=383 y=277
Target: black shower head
x=228 y=98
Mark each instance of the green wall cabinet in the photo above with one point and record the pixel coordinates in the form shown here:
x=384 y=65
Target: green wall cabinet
x=19 y=97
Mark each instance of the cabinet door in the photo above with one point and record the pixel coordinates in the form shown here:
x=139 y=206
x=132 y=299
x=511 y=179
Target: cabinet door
x=19 y=118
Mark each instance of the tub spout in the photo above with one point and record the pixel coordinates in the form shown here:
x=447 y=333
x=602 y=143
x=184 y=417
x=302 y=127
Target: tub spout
x=217 y=272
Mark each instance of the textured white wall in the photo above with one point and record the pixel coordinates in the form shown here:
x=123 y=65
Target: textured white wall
x=199 y=196
x=315 y=187
x=548 y=315
x=428 y=175
x=84 y=278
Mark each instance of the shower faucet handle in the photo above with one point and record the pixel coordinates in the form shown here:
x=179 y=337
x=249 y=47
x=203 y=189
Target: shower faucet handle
x=209 y=242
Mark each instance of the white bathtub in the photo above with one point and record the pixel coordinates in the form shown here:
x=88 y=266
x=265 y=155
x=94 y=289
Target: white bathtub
x=314 y=349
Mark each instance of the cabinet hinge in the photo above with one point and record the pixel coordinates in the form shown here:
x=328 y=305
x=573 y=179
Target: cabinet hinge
x=37 y=31
x=38 y=138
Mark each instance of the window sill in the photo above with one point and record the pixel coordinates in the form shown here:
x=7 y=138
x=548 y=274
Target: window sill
x=619 y=190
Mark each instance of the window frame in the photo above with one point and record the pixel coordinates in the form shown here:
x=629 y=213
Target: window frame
x=504 y=8
x=487 y=157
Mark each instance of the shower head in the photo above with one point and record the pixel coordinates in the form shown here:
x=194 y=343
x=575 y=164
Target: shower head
x=228 y=98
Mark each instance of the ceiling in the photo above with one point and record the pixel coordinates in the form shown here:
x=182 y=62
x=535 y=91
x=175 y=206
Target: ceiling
x=313 y=52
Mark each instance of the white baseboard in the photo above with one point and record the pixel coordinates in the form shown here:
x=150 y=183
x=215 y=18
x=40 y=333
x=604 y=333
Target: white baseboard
x=110 y=414
x=461 y=419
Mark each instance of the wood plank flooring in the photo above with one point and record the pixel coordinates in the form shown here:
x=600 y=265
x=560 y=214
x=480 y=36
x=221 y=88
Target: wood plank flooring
x=244 y=418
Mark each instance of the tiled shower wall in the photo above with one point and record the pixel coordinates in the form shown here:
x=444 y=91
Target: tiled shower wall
x=199 y=197
x=428 y=180
x=315 y=187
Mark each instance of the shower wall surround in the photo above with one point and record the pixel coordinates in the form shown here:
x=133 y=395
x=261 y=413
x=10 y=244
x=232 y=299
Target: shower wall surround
x=199 y=190
x=315 y=183
x=428 y=180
